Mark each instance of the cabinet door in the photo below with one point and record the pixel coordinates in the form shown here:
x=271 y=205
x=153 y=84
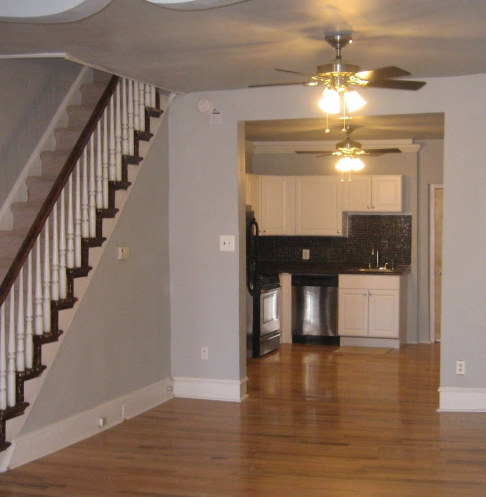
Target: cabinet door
x=277 y=205
x=357 y=194
x=387 y=194
x=353 y=312
x=318 y=206
x=383 y=313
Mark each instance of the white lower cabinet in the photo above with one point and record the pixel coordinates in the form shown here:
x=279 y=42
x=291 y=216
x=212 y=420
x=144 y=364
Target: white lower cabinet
x=372 y=307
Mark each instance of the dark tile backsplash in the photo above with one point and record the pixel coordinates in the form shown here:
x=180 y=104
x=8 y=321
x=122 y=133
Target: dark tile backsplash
x=391 y=235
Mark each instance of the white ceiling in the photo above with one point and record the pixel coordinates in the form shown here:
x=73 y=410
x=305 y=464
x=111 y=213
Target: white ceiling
x=240 y=45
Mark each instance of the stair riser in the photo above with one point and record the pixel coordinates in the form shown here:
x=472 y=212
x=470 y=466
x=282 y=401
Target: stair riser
x=66 y=138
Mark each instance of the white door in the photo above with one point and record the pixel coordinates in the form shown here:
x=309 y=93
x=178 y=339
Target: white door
x=353 y=312
x=387 y=194
x=318 y=206
x=383 y=313
x=277 y=200
x=357 y=194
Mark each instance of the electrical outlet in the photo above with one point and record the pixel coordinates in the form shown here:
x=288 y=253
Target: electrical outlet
x=306 y=254
x=204 y=353
x=460 y=367
x=123 y=253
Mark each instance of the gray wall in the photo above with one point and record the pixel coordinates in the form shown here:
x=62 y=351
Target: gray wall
x=32 y=90
x=204 y=204
x=119 y=340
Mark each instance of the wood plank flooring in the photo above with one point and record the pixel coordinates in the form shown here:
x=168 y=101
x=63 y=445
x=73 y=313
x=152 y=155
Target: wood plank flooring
x=319 y=421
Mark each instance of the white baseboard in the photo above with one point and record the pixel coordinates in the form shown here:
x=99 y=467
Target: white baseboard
x=462 y=399
x=39 y=443
x=393 y=343
x=209 y=389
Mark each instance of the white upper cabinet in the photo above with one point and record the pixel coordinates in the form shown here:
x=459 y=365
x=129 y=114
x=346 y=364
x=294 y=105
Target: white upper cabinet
x=318 y=206
x=300 y=205
x=373 y=194
x=277 y=205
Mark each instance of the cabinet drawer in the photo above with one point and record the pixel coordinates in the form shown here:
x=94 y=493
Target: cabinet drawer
x=383 y=282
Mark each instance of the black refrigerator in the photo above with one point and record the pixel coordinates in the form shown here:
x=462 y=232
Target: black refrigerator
x=263 y=298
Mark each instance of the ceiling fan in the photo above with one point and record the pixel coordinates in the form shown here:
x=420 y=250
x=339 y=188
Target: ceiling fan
x=338 y=74
x=350 y=148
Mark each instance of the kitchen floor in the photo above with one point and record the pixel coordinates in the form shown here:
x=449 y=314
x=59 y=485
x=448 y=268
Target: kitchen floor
x=319 y=421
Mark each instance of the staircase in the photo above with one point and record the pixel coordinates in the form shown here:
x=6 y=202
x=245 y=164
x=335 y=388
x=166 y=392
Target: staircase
x=61 y=220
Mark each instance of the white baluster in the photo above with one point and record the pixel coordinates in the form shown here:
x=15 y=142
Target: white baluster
x=46 y=308
x=62 y=249
x=20 y=352
x=70 y=226
x=118 y=135
x=136 y=106
x=141 y=104
x=39 y=319
x=99 y=169
x=112 y=146
x=92 y=190
x=105 y=160
x=55 y=256
x=125 y=146
x=29 y=317
x=131 y=145
x=153 y=99
x=11 y=374
x=3 y=360
x=84 y=199
x=148 y=99
x=77 y=218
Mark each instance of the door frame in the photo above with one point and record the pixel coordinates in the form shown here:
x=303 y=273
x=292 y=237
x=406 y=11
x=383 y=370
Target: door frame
x=432 y=188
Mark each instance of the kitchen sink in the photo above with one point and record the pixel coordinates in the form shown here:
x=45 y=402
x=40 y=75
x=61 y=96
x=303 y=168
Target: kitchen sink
x=376 y=270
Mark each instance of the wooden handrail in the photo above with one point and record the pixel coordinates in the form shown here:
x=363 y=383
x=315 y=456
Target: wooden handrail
x=56 y=189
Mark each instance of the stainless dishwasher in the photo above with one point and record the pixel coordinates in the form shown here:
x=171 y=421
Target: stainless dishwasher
x=314 y=309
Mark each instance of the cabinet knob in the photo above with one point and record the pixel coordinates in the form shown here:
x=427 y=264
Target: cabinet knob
x=364 y=294
x=370 y=294
x=338 y=231
x=368 y=207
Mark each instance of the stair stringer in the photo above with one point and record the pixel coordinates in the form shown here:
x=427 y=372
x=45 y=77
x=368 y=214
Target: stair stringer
x=33 y=387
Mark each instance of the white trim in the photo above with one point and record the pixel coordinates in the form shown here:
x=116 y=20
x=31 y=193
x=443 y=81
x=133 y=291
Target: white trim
x=210 y=389
x=462 y=399
x=432 y=188
x=39 y=443
x=17 y=192
x=289 y=147
x=393 y=343
x=47 y=55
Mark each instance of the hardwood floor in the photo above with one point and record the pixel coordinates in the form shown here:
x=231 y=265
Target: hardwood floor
x=319 y=421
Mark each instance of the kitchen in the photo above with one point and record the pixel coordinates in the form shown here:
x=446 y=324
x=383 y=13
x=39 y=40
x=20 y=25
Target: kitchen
x=393 y=233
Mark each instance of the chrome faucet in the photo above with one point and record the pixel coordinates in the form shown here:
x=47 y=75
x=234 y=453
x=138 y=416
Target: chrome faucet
x=377 y=260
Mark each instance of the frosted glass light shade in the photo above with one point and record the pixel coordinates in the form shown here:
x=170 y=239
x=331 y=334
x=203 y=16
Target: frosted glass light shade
x=349 y=164
x=330 y=101
x=354 y=100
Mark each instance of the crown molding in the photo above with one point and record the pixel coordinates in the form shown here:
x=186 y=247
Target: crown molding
x=289 y=147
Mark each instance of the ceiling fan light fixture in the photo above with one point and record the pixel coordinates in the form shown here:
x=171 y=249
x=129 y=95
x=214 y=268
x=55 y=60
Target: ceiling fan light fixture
x=354 y=100
x=348 y=164
x=330 y=102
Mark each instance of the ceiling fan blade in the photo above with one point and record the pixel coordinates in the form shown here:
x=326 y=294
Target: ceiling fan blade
x=375 y=152
x=382 y=73
x=396 y=84
x=296 y=72
x=278 y=84
x=322 y=153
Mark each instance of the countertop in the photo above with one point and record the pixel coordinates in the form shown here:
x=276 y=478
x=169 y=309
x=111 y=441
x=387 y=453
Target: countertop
x=312 y=267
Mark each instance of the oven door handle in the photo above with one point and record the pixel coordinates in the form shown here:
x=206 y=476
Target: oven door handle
x=270 y=336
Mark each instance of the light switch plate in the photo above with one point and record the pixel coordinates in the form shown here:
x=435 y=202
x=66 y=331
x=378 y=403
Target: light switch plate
x=227 y=243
